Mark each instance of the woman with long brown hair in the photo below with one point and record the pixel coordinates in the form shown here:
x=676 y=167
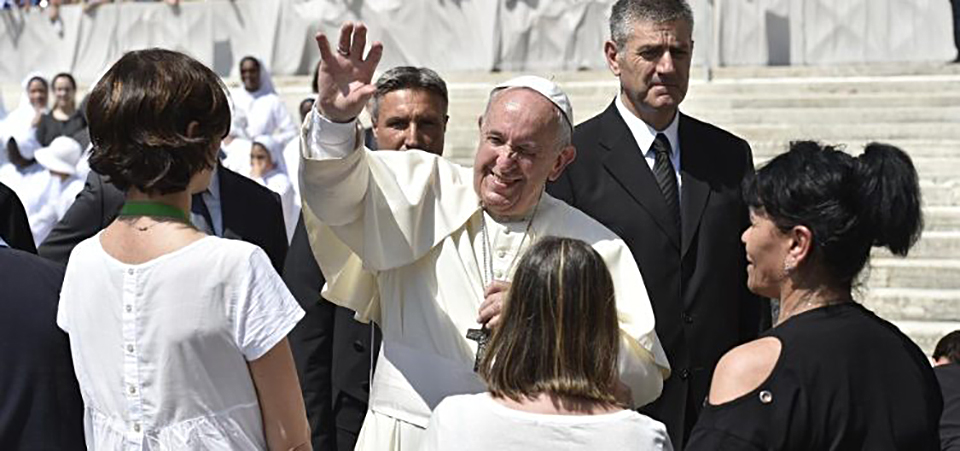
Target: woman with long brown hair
x=551 y=367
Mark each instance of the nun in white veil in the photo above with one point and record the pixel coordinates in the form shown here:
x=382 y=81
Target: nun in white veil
x=268 y=169
x=21 y=124
x=257 y=101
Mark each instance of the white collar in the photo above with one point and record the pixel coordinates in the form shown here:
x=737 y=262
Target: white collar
x=214 y=188
x=644 y=134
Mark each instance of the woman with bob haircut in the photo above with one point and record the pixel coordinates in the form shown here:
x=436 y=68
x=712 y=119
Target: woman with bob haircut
x=831 y=375
x=178 y=338
x=551 y=366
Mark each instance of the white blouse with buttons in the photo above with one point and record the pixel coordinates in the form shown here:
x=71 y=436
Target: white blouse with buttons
x=161 y=348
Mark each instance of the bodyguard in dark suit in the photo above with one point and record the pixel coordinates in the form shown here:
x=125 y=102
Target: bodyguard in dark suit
x=248 y=212
x=669 y=185
x=14 y=226
x=40 y=403
x=332 y=351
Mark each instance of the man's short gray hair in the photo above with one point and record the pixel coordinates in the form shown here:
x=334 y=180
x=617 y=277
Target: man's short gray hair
x=564 y=129
x=408 y=77
x=627 y=13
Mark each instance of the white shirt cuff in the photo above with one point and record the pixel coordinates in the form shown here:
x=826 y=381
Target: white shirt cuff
x=328 y=140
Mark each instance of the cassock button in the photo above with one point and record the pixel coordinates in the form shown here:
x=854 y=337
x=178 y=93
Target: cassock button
x=687 y=318
x=684 y=374
x=358 y=346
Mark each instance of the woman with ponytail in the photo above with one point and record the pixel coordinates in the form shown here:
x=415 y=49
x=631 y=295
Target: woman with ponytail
x=831 y=375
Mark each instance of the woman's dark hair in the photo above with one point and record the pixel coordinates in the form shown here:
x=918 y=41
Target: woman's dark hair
x=849 y=203
x=69 y=78
x=42 y=81
x=559 y=332
x=139 y=113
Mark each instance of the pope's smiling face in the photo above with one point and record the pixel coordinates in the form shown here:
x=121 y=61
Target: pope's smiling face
x=518 y=152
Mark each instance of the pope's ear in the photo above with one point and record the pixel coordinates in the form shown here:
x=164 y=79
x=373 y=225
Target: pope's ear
x=567 y=155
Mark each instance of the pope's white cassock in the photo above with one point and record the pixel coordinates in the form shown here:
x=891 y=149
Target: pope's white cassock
x=398 y=237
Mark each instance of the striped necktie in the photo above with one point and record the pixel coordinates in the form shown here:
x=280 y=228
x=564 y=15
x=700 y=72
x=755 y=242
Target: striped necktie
x=666 y=177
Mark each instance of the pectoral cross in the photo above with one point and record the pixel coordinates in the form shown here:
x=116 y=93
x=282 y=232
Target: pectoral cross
x=482 y=337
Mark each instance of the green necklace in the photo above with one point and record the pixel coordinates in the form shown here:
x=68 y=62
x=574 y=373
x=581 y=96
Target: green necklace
x=152 y=209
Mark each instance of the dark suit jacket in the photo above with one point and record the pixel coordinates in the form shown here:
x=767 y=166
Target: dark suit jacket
x=332 y=352
x=949 y=378
x=696 y=278
x=250 y=213
x=40 y=403
x=14 y=227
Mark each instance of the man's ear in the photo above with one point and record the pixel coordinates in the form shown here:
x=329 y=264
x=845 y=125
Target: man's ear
x=567 y=155
x=610 y=54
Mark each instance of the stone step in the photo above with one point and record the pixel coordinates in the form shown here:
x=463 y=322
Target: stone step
x=926 y=333
x=832 y=116
x=928 y=168
x=933 y=244
x=913 y=304
x=914 y=273
x=846 y=132
x=942 y=218
x=914 y=147
x=937 y=192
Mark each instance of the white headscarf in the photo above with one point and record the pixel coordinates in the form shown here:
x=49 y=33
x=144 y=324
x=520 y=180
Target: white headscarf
x=275 y=150
x=19 y=124
x=242 y=99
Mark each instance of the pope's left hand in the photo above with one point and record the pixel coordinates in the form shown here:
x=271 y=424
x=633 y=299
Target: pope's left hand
x=492 y=304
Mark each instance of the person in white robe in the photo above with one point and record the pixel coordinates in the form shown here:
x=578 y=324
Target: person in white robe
x=426 y=248
x=21 y=124
x=258 y=107
x=267 y=168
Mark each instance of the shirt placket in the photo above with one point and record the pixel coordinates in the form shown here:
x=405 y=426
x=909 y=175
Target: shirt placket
x=131 y=355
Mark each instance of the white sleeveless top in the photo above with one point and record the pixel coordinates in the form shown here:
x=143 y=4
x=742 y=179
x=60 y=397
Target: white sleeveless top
x=161 y=348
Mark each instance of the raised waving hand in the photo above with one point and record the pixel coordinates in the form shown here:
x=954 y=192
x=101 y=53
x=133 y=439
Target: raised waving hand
x=344 y=81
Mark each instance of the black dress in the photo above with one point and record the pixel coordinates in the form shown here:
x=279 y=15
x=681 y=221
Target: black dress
x=75 y=127
x=845 y=380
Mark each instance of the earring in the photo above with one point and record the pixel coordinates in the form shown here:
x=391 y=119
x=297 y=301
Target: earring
x=787 y=268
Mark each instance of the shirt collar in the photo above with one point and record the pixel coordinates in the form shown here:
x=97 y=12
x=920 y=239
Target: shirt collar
x=3 y=243
x=214 y=189
x=644 y=134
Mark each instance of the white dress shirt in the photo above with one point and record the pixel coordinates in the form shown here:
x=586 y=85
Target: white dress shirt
x=644 y=134
x=211 y=197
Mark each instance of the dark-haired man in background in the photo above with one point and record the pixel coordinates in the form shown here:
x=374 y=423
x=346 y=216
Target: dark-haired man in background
x=669 y=185
x=947 y=358
x=335 y=354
